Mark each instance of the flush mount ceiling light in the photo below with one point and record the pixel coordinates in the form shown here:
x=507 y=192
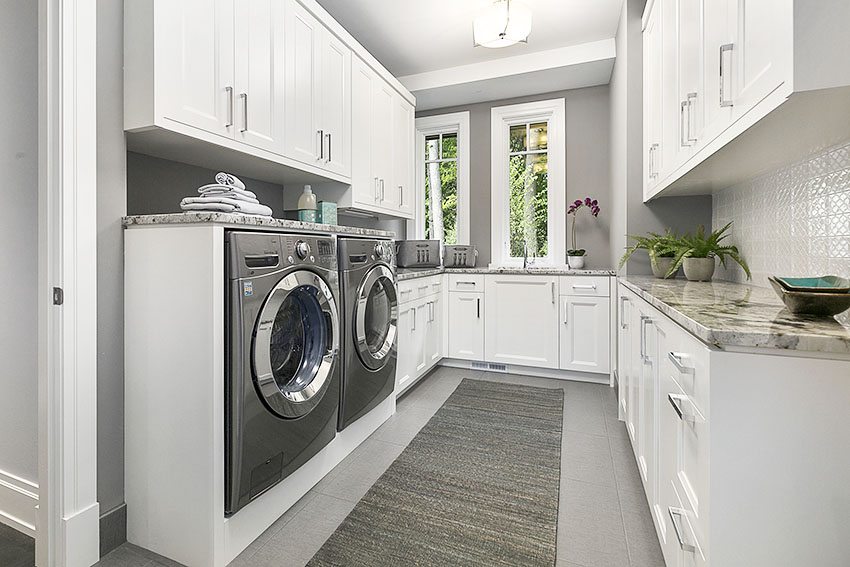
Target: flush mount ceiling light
x=503 y=23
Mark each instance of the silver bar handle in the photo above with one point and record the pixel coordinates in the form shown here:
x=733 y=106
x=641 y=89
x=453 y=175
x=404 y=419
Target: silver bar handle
x=478 y=308
x=682 y=106
x=321 y=135
x=582 y=286
x=244 y=97
x=553 y=292
x=692 y=127
x=677 y=513
x=229 y=91
x=377 y=190
x=644 y=321
x=566 y=312
x=328 y=138
x=433 y=315
x=623 y=323
x=677 y=359
x=413 y=312
x=400 y=196
x=723 y=101
x=678 y=401
x=649 y=161
x=383 y=194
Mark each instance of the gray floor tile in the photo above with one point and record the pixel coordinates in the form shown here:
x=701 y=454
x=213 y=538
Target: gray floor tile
x=301 y=538
x=642 y=539
x=587 y=458
x=610 y=405
x=565 y=563
x=125 y=555
x=584 y=415
x=368 y=465
x=433 y=391
x=524 y=380
x=590 y=525
x=402 y=427
x=625 y=467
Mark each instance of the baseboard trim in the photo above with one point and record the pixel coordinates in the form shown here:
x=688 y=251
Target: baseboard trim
x=113 y=529
x=18 y=502
x=79 y=537
x=541 y=372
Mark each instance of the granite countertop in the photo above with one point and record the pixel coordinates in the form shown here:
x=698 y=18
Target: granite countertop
x=248 y=220
x=411 y=273
x=729 y=314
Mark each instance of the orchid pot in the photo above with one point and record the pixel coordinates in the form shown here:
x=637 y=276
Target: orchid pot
x=576 y=255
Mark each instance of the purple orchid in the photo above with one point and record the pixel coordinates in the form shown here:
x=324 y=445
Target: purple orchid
x=573 y=209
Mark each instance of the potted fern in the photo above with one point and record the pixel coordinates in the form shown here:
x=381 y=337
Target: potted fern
x=697 y=253
x=661 y=249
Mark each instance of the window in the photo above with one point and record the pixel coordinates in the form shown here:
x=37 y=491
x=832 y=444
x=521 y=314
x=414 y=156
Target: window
x=443 y=178
x=528 y=187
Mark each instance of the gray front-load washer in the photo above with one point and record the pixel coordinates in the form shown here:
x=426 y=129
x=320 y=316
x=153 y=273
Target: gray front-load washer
x=282 y=381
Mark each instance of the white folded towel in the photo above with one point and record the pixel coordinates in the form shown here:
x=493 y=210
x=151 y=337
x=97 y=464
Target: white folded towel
x=217 y=190
x=228 y=179
x=237 y=205
x=208 y=207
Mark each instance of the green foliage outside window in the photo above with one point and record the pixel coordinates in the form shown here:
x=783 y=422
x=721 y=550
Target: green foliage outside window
x=529 y=198
x=448 y=186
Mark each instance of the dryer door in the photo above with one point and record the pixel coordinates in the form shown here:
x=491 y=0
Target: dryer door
x=376 y=317
x=295 y=344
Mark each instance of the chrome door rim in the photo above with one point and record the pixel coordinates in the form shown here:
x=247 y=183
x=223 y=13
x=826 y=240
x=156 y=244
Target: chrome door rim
x=300 y=403
x=375 y=360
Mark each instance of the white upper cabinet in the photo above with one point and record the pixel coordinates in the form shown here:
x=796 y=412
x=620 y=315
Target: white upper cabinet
x=318 y=93
x=718 y=68
x=220 y=83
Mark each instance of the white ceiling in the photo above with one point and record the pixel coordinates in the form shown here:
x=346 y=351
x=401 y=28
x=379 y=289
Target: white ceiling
x=415 y=36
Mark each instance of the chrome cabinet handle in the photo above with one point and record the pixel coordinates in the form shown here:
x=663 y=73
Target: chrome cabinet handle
x=644 y=321
x=566 y=312
x=692 y=98
x=383 y=194
x=328 y=138
x=580 y=286
x=553 y=292
x=683 y=141
x=400 y=196
x=723 y=101
x=422 y=287
x=321 y=135
x=678 y=513
x=229 y=91
x=464 y=283
x=676 y=358
x=413 y=326
x=244 y=97
x=377 y=190
x=623 y=323
x=690 y=415
x=433 y=315
x=478 y=308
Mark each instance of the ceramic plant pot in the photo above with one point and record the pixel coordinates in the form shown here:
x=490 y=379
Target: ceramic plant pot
x=661 y=267
x=699 y=269
x=576 y=262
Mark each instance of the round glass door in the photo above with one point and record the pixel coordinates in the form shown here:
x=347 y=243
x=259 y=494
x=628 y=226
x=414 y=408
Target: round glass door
x=295 y=344
x=376 y=317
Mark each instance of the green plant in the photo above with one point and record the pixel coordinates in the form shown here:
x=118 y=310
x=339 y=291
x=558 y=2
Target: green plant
x=658 y=246
x=702 y=246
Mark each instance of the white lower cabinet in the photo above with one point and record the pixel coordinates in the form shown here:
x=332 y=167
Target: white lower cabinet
x=466 y=325
x=585 y=334
x=522 y=320
x=420 y=330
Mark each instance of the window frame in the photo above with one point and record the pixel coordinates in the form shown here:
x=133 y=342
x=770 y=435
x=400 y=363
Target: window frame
x=455 y=123
x=501 y=119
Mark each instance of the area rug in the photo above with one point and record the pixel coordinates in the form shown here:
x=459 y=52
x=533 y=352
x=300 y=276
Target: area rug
x=477 y=486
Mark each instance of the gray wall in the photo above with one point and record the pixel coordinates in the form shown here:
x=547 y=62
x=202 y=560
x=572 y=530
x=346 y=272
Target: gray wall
x=631 y=215
x=19 y=233
x=587 y=112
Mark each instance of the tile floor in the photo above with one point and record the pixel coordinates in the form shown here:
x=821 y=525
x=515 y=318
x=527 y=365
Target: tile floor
x=16 y=549
x=603 y=519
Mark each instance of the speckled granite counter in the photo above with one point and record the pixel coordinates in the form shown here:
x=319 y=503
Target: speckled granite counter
x=412 y=273
x=238 y=220
x=728 y=314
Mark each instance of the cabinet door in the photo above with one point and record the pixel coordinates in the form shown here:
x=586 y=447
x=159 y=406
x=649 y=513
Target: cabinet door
x=303 y=51
x=405 y=366
x=434 y=332
x=466 y=325
x=403 y=126
x=689 y=76
x=624 y=354
x=585 y=334
x=522 y=316
x=636 y=335
x=195 y=53
x=336 y=104
x=382 y=139
x=652 y=101
x=717 y=57
x=259 y=52
x=421 y=318
x=363 y=184
x=763 y=53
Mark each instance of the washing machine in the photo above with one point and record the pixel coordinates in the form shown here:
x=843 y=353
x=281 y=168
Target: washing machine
x=370 y=325
x=282 y=378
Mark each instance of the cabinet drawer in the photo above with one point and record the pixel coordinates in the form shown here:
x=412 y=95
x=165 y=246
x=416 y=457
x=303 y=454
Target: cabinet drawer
x=466 y=282
x=585 y=285
x=690 y=366
x=418 y=288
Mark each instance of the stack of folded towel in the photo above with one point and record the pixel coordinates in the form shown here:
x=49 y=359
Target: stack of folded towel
x=226 y=195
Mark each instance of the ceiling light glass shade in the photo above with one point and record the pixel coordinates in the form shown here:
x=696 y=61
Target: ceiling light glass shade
x=503 y=23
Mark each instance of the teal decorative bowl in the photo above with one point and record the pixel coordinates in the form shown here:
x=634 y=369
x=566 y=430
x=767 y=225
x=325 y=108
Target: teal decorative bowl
x=818 y=303
x=823 y=284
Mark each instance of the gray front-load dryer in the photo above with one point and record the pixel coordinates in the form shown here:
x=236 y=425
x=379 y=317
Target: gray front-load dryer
x=282 y=383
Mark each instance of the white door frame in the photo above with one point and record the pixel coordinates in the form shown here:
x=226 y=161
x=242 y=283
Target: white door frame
x=67 y=532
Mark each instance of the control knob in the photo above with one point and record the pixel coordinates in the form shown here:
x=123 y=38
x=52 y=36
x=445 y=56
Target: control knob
x=302 y=249
x=379 y=250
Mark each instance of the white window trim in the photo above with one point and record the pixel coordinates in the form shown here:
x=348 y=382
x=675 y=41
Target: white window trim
x=444 y=123
x=502 y=118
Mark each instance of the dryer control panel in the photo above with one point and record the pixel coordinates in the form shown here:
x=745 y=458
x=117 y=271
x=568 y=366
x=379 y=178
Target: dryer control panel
x=257 y=253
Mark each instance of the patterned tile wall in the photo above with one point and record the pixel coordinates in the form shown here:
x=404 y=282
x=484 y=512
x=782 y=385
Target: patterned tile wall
x=794 y=221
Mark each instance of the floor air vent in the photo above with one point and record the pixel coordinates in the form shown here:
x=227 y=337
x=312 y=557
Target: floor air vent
x=489 y=367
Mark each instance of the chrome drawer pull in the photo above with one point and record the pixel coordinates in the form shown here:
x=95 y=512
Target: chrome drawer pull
x=676 y=358
x=644 y=321
x=623 y=323
x=464 y=283
x=579 y=286
x=678 y=513
x=678 y=401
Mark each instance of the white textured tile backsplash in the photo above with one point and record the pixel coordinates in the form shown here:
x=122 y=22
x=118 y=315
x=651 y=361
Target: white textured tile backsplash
x=794 y=221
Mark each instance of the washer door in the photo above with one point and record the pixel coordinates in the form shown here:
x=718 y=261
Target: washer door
x=296 y=341
x=376 y=317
